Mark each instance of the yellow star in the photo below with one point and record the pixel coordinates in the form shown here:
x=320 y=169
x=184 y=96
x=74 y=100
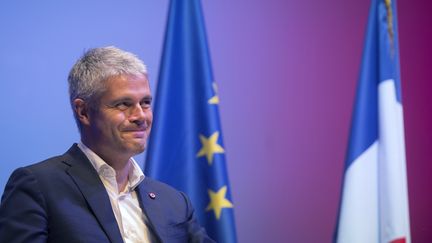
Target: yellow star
x=218 y=201
x=215 y=99
x=210 y=147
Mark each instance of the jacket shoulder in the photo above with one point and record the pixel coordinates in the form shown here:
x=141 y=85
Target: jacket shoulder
x=53 y=164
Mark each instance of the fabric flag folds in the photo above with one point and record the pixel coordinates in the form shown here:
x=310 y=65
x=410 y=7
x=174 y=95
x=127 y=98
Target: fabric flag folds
x=186 y=149
x=374 y=204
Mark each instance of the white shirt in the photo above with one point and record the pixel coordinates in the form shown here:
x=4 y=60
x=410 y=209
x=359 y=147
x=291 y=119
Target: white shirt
x=125 y=205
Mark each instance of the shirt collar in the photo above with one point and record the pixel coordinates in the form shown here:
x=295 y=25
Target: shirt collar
x=135 y=177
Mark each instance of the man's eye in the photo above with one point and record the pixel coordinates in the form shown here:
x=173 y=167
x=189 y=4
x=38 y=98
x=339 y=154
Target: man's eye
x=146 y=103
x=122 y=106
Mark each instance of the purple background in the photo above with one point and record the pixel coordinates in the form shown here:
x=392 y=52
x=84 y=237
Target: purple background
x=287 y=72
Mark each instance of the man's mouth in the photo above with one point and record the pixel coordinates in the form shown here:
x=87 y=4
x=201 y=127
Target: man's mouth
x=137 y=133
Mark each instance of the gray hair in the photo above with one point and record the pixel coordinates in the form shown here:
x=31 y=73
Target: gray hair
x=88 y=76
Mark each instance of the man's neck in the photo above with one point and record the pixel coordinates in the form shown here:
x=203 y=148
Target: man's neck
x=121 y=164
x=122 y=176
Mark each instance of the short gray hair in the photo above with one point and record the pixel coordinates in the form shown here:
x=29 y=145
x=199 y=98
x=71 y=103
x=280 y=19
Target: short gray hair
x=88 y=76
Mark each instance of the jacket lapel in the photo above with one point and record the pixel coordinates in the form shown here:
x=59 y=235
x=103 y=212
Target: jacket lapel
x=93 y=190
x=151 y=207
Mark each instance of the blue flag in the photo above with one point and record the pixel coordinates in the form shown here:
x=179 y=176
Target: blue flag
x=186 y=149
x=374 y=204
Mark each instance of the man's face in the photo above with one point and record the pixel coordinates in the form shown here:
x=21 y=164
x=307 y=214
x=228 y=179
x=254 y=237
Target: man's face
x=123 y=120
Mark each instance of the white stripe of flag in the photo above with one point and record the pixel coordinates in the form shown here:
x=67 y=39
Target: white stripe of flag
x=374 y=206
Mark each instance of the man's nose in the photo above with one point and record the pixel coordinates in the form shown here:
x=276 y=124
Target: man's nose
x=137 y=114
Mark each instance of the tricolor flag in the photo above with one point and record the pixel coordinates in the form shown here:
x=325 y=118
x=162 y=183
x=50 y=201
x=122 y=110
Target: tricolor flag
x=374 y=204
x=186 y=149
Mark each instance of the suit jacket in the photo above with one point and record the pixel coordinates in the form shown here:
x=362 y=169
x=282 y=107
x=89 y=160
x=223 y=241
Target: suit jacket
x=63 y=200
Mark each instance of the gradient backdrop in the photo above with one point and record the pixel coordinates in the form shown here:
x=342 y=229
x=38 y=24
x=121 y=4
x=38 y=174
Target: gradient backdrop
x=287 y=72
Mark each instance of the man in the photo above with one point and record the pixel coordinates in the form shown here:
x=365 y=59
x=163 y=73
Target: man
x=96 y=192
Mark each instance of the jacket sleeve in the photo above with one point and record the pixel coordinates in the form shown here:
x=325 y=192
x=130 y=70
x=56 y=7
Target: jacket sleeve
x=23 y=215
x=197 y=234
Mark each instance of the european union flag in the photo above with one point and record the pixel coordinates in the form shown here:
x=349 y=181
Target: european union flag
x=186 y=149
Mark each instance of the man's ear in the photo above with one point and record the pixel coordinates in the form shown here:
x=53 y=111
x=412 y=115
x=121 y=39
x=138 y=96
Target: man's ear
x=82 y=111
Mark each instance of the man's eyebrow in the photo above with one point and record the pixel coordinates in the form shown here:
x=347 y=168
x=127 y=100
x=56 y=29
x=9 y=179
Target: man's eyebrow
x=147 y=98
x=122 y=98
x=129 y=99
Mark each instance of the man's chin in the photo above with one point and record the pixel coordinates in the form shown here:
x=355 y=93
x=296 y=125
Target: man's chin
x=138 y=148
x=133 y=146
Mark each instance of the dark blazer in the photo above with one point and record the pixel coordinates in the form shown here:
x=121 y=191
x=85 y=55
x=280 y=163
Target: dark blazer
x=63 y=200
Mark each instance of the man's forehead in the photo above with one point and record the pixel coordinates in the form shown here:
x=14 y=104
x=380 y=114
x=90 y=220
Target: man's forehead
x=132 y=86
x=127 y=80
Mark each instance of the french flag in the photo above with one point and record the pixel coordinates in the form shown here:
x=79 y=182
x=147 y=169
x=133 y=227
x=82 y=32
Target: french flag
x=374 y=203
